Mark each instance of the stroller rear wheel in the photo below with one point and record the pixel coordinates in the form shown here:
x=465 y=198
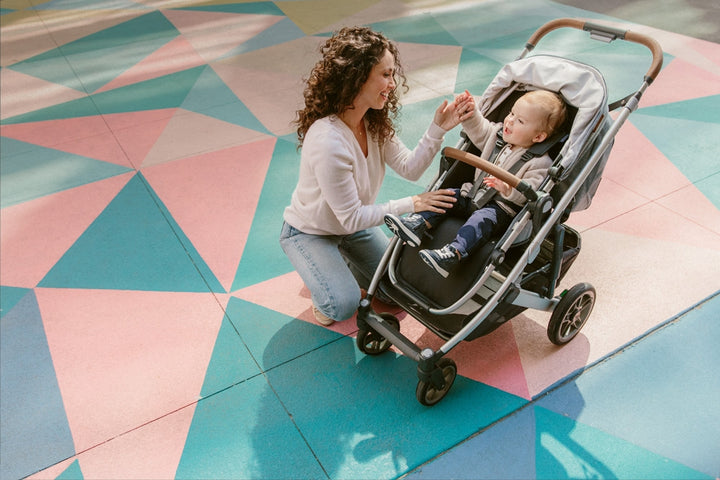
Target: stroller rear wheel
x=427 y=393
x=571 y=313
x=371 y=342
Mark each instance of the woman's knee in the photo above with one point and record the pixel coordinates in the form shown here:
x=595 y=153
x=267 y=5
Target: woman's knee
x=340 y=305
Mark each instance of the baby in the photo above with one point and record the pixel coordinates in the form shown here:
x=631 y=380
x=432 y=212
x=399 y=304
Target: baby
x=533 y=118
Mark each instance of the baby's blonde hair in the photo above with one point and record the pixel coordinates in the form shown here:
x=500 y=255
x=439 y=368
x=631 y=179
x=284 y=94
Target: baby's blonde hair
x=553 y=104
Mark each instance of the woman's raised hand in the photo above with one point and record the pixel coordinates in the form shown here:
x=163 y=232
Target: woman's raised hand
x=450 y=114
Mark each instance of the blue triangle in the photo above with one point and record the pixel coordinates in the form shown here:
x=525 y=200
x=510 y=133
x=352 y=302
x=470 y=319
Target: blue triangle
x=35 y=430
x=38 y=171
x=569 y=449
x=211 y=96
x=262 y=257
x=134 y=244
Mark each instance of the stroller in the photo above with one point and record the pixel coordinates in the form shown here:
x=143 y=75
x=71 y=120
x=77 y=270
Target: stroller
x=523 y=267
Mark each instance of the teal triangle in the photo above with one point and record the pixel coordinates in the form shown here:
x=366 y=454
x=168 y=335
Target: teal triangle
x=475 y=72
x=134 y=244
x=82 y=107
x=230 y=363
x=72 y=472
x=689 y=144
x=82 y=4
x=257 y=8
x=210 y=96
x=272 y=337
x=414 y=120
x=262 y=257
x=246 y=432
x=168 y=91
x=283 y=31
x=95 y=66
x=566 y=449
x=39 y=171
x=416 y=29
x=51 y=66
x=704 y=109
x=9 y=296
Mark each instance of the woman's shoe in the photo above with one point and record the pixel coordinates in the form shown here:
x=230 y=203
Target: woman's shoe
x=321 y=318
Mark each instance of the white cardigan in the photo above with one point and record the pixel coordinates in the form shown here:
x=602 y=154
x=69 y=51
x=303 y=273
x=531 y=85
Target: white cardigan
x=338 y=185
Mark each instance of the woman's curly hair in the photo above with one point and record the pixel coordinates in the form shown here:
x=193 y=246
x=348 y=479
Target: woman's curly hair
x=347 y=60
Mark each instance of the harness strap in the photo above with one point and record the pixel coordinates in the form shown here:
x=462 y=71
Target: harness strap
x=499 y=145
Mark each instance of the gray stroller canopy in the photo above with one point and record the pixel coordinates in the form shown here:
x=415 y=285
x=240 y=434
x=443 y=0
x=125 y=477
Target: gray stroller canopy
x=581 y=85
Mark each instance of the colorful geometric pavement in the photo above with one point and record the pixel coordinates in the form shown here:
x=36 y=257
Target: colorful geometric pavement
x=152 y=327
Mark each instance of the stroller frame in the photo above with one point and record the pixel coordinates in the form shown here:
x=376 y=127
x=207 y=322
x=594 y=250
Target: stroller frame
x=503 y=292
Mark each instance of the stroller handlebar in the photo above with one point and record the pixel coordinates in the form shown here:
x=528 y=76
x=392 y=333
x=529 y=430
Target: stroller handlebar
x=606 y=33
x=489 y=167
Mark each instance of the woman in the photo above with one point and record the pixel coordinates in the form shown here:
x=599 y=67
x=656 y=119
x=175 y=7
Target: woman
x=331 y=230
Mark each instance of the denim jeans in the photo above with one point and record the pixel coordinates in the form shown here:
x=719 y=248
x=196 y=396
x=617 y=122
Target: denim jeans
x=335 y=267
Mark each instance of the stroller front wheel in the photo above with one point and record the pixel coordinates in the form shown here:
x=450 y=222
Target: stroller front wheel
x=571 y=313
x=427 y=393
x=371 y=342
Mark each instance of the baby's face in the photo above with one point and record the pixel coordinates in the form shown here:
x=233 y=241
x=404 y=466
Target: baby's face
x=523 y=125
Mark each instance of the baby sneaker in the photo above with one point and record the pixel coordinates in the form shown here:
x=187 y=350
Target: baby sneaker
x=410 y=228
x=442 y=260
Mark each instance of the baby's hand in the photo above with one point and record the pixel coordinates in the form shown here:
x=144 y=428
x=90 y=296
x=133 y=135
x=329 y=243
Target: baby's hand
x=498 y=185
x=464 y=105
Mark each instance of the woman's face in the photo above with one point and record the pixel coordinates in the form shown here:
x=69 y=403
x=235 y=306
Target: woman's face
x=381 y=81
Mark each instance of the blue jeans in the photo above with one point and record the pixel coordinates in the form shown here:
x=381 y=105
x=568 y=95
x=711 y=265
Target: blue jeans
x=335 y=267
x=480 y=225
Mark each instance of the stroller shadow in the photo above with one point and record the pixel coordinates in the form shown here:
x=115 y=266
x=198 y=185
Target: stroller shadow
x=322 y=395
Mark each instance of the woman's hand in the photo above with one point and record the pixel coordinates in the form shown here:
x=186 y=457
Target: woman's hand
x=449 y=115
x=498 y=185
x=435 y=201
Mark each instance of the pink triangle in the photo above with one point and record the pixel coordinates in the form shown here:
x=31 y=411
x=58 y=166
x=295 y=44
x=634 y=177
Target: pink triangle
x=35 y=234
x=213 y=198
x=126 y=358
x=189 y=133
x=137 y=132
x=85 y=136
x=680 y=81
x=152 y=451
x=493 y=359
x=30 y=93
x=294 y=302
x=228 y=29
x=175 y=56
